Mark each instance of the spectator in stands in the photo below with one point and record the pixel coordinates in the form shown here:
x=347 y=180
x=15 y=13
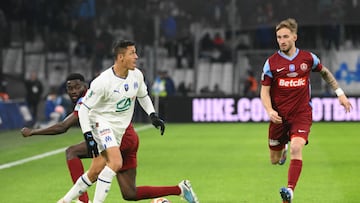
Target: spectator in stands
x=4 y=96
x=183 y=90
x=34 y=90
x=206 y=46
x=4 y=34
x=217 y=90
x=54 y=111
x=251 y=85
x=163 y=87
x=218 y=41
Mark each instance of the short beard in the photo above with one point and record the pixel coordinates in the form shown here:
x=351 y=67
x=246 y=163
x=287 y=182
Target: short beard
x=286 y=51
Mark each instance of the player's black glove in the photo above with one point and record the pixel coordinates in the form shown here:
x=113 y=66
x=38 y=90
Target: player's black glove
x=157 y=122
x=91 y=144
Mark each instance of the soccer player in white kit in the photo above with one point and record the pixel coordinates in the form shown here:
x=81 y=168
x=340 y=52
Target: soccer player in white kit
x=104 y=115
x=108 y=108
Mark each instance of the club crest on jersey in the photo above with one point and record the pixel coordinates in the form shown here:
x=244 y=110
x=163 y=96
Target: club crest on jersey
x=291 y=67
x=303 y=67
x=126 y=87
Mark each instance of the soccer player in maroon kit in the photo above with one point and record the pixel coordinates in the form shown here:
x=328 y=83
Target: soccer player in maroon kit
x=76 y=88
x=285 y=94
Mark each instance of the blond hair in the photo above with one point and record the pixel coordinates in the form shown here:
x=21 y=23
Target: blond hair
x=289 y=23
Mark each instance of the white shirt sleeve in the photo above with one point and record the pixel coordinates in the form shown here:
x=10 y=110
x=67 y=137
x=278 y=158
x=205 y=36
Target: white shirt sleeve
x=92 y=98
x=84 y=118
x=146 y=104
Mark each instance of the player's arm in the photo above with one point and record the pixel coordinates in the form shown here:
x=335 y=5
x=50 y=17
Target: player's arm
x=266 y=101
x=330 y=79
x=55 y=129
x=146 y=103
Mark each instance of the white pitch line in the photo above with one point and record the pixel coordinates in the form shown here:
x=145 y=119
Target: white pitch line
x=43 y=155
x=36 y=157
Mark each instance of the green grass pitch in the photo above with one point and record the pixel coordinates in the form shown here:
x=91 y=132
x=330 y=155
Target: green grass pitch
x=226 y=162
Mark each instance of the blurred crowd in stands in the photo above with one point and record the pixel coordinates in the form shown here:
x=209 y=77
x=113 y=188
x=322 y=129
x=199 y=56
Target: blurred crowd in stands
x=87 y=28
x=94 y=24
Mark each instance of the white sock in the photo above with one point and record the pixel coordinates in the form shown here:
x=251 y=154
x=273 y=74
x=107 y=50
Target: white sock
x=103 y=184
x=81 y=186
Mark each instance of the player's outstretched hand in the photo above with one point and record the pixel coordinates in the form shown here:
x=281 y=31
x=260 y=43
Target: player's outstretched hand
x=345 y=103
x=26 y=132
x=157 y=122
x=91 y=144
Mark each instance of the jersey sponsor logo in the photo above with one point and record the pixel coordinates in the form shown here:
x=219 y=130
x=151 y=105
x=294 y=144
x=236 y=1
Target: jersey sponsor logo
x=126 y=87
x=136 y=85
x=291 y=82
x=273 y=142
x=104 y=131
x=280 y=69
x=123 y=105
x=117 y=91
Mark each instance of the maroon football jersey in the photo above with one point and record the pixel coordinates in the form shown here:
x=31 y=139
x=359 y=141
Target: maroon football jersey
x=289 y=78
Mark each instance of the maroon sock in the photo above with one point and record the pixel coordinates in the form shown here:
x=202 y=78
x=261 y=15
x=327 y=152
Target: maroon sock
x=76 y=170
x=294 y=173
x=148 y=192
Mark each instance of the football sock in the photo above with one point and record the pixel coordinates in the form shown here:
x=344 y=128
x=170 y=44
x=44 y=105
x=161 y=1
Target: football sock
x=80 y=186
x=76 y=170
x=103 y=184
x=294 y=173
x=148 y=192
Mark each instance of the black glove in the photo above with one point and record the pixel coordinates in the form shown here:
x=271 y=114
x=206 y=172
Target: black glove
x=91 y=144
x=157 y=122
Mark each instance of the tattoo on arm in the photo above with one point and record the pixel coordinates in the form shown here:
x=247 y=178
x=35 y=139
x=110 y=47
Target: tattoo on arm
x=329 y=78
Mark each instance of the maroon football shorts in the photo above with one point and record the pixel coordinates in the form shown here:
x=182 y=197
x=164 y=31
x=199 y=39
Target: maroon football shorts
x=297 y=126
x=129 y=147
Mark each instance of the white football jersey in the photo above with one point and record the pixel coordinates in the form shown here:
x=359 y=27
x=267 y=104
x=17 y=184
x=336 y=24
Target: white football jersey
x=112 y=99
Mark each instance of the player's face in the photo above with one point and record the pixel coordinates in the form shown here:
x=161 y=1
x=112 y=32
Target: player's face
x=129 y=58
x=286 y=40
x=75 y=89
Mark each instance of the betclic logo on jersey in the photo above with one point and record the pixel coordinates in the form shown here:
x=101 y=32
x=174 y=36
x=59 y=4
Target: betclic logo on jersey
x=291 y=82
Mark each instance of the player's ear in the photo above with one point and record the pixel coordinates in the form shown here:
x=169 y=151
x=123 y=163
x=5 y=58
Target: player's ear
x=295 y=37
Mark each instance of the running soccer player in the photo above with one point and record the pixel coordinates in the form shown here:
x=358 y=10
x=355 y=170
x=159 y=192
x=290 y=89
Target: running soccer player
x=106 y=111
x=285 y=94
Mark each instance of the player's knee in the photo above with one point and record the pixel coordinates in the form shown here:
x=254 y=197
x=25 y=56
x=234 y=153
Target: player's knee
x=295 y=150
x=129 y=195
x=115 y=166
x=70 y=153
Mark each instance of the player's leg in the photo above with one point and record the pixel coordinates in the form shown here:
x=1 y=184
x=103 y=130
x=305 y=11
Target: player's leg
x=295 y=167
x=296 y=147
x=299 y=137
x=85 y=181
x=127 y=175
x=113 y=165
x=130 y=192
x=73 y=155
x=278 y=139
